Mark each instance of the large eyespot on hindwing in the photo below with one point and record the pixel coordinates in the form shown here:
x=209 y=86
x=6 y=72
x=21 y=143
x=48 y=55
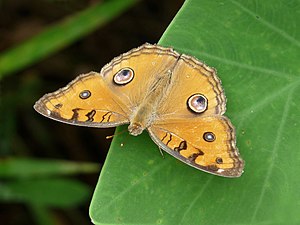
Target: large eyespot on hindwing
x=124 y=76
x=197 y=103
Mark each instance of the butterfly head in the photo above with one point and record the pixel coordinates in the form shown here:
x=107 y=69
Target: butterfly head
x=135 y=129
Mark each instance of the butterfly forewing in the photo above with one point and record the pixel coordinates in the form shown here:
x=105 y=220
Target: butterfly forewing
x=86 y=101
x=148 y=63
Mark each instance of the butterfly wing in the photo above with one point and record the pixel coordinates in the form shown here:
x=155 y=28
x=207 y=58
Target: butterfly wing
x=86 y=101
x=191 y=77
x=203 y=139
x=102 y=99
x=147 y=63
x=206 y=143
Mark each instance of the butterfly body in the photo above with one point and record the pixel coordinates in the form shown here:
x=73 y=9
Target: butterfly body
x=176 y=98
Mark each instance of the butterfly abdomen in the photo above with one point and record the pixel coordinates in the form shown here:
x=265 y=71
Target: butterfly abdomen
x=145 y=113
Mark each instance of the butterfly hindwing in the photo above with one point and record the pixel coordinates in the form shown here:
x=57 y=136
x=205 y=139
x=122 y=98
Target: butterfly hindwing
x=206 y=143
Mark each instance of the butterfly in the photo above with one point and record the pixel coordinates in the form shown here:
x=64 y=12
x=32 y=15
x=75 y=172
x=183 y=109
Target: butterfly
x=175 y=97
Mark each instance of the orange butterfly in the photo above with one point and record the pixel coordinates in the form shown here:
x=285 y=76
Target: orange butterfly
x=176 y=98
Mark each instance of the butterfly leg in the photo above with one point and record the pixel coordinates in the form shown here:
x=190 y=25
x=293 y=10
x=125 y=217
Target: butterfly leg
x=161 y=152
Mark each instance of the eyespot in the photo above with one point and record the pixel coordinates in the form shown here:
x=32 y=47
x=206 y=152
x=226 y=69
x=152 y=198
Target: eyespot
x=124 y=76
x=85 y=94
x=219 y=160
x=197 y=103
x=209 y=136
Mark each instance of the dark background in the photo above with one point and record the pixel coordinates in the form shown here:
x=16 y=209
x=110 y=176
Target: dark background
x=25 y=133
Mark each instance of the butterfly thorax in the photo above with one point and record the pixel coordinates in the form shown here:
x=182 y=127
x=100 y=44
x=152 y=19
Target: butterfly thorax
x=145 y=113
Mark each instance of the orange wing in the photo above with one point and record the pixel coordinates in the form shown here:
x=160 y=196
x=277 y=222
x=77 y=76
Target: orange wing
x=206 y=143
x=148 y=63
x=189 y=124
x=101 y=99
x=191 y=77
x=86 y=101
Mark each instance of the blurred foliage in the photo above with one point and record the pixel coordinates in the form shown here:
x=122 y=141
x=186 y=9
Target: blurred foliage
x=43 y=45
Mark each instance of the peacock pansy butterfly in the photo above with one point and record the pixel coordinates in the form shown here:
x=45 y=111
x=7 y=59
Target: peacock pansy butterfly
x=176 y=98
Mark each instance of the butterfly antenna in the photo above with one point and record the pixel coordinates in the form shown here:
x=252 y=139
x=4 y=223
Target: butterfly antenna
x=115 y=134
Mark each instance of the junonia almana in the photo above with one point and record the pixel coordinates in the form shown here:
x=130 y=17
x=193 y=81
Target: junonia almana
x=176 y=98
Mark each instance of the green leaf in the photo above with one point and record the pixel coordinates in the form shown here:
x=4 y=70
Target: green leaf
x=255 y=47
x=52 y=40
x=28 y=168
x=55 y=192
